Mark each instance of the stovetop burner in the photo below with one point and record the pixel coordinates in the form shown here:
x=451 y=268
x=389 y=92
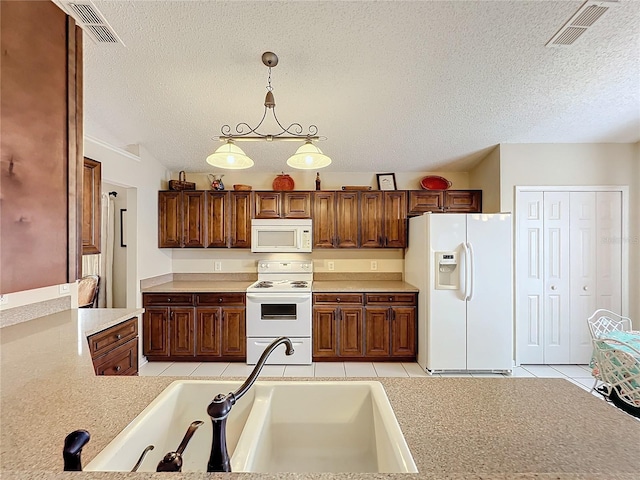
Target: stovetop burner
x=264 y=284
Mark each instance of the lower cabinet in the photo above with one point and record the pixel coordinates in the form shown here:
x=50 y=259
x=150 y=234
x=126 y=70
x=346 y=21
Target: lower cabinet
x=364 y=326
x=205 y=326
x=114 y=351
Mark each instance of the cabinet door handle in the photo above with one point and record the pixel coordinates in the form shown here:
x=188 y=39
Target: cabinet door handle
x=393 y=314
x=338 y=299
x=220 y=300
x=338 y=242
x=391 y=299
x=168 y=299
x=171 y=314
x=118 y=368
x=118 y=337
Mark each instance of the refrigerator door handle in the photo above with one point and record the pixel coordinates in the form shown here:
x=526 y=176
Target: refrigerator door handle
x=466 y=271
x=471 y=270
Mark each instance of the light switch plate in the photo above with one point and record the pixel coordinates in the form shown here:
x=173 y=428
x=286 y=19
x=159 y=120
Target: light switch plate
x=331 y=265
x=374 y=265
x=217 y=266
x=64 y=289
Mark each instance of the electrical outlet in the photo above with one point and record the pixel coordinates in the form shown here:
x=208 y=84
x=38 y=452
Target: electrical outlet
x=331 y=265
x=217 y=266
x=4 y=300
x=374 y=265
x=64 y=289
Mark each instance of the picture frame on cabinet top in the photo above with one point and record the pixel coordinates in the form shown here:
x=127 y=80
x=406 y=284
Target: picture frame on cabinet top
x=386 y=181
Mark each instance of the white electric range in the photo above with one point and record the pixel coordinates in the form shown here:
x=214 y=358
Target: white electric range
x=279 y=304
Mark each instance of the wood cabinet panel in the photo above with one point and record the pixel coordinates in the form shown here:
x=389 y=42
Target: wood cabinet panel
x=208 y=341
x=193 y=218
x=403 y=331
x=267 y=204
x=122 y=360
x=395 y=219
x=241 y=214
x=296 y=204
x=217 y=219
x=323 y=298
x=371 y=219
x=463 y=201
x=91 y=206
x=106 y=340
x=422 y=201
x=391 y=298
x=181 y=332
x=233 y=332
x=325 y=332
x=155 y=328
x=377 y=332
x=324 y=225
x=152 y=299
x=220 y=298
x=347 y=220
x=351 y=342
x=170 y=219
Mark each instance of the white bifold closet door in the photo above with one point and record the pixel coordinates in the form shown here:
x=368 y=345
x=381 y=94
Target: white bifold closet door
x=569 y=264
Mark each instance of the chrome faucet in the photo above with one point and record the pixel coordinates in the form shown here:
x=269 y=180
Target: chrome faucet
x=220 y=407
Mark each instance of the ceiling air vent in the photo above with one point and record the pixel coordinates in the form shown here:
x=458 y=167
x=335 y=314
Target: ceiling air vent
x=89 y=18
x=584 y=18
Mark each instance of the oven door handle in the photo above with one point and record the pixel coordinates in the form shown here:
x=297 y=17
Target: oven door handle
x=264 y=344
x=279 y=317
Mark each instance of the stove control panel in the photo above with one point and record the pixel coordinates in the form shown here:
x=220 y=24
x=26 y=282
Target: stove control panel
x=280 y=266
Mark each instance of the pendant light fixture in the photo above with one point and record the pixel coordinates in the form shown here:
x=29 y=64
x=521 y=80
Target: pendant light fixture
x=229 y=155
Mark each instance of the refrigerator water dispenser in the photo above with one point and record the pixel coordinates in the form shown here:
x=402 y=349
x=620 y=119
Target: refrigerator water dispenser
x=447 y=277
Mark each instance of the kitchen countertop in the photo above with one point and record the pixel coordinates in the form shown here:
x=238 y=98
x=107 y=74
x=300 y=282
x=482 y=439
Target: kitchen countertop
x=480 y=428
x=318 y=286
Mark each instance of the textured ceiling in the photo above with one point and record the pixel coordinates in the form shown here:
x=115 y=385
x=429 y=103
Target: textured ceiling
x=394 y=86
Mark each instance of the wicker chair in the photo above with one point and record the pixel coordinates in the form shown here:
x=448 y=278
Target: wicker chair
x=88 y=288
x=617 y=364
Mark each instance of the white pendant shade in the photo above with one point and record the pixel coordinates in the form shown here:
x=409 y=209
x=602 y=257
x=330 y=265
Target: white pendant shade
x=308 y=156
x=229 y=156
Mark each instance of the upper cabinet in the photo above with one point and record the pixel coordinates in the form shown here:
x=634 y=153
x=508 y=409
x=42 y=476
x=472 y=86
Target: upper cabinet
x=335 y=219
x=91 y=187
x=383 y=219
x=283 y=204
x=197 y=219
x=341 y=219
x=181 y=219
x=448 y=201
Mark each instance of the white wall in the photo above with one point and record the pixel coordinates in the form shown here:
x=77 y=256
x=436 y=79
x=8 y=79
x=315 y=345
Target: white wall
x=579 y=164
x=147 y=176
x=486 y=177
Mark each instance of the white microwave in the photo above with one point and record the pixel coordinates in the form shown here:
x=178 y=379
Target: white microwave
x=281 y=235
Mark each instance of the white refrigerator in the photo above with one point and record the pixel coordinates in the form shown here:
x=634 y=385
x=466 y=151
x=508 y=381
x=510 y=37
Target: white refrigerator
x=462 y=265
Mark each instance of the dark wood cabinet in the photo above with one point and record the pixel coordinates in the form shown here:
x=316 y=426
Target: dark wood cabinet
x=395 y=219
x=378 y=331
x=452 y=201
x=221 y=325
x=241 y=212
x=335 y=219
x=114 y=351
x=282 y=204
x=371 y=219
x=358 y=326
x=181 y=219
x=217 y=214
x=194 y=326
x=91 y=206
x=383 y=219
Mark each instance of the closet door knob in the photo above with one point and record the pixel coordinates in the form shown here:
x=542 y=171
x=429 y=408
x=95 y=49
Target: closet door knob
x=585 y=288
x=553 y=287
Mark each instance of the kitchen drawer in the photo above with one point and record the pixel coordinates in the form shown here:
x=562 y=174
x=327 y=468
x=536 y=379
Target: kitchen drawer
x=106 y=340
x=167 y=299
x=220 y=298
x=391 y=298
x=122 y=360
x=323 y=298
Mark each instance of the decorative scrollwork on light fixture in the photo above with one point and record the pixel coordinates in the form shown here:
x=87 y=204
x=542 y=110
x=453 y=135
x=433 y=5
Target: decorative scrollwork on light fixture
x=231 y=156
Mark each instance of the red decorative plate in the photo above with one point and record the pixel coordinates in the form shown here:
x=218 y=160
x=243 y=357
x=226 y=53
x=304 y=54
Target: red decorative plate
x=433 y=182
x=283 y=182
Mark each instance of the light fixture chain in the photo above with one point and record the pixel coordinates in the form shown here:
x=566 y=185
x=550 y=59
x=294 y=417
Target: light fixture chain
x=269 y=87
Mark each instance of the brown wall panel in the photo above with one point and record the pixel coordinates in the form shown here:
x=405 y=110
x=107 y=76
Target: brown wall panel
x=34 y=128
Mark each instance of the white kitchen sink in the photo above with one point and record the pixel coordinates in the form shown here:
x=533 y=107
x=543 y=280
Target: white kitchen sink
x=276 y=427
